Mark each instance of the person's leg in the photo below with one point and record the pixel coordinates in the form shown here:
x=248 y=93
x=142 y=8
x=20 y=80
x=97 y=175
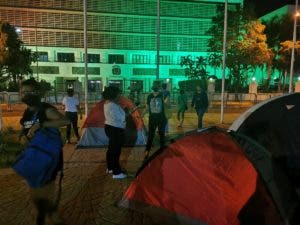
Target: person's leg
x=75 y=124
x=109 y=155
x=200 y=113
x=68 y=130
x=181 y=117
x=161 y=131
x=44 y=200
x=178 y=115
x=118 y=140
x=151 y=132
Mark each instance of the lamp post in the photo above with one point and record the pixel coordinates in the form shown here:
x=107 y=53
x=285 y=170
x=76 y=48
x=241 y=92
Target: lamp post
x=293 y=48
x=86 y=109
x=157 y=39
x=224 y=61
x=37 y=55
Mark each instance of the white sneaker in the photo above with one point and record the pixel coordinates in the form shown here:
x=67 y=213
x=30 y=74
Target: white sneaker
x=109 y=171
x=119 y=176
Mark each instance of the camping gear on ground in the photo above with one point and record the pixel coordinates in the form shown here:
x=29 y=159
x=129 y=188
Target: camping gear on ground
x=93 y=134
x=37 y=163
x=215 y=177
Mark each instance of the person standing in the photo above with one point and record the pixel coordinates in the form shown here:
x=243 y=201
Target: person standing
x=182 y=107
x=167 y=105
x=115 y=124
x=200 y=103
x=40 y=115
x=157 y=119
x=72 y=108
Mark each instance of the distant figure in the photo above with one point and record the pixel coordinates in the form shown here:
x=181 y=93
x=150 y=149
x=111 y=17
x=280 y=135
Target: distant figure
x=115 y=124
x=157 y=118
x=200 y=103
x=182 y=107
x=72 y=108
x=39 y=115
x=167 y=105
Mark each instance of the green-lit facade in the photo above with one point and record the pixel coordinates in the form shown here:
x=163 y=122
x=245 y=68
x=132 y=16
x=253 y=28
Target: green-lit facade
x=121 y=36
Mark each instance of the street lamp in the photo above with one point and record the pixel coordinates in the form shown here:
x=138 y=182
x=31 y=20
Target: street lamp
x=293 y=48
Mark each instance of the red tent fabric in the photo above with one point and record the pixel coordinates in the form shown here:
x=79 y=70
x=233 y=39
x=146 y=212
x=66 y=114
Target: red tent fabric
x=93 y=134
x=203 y=177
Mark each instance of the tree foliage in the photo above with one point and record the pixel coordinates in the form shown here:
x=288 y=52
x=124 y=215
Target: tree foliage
x=246 y=46
x=15 y=59
x=195 y=69
x=279 y=38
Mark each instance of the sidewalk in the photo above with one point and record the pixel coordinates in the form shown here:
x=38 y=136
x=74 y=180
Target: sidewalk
x=89 y=196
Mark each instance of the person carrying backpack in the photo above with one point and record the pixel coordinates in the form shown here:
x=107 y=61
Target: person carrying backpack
x=41 y=120
x=157 y=118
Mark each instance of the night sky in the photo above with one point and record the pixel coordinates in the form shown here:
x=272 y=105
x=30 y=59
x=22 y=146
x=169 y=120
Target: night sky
x=263 y=7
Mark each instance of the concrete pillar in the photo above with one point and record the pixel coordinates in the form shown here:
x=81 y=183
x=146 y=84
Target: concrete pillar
x=297 y=86
x=253 y=88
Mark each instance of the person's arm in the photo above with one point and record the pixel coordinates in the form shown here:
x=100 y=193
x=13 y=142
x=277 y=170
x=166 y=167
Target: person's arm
x=54 y=119
x=79 y=110
x=63 y=104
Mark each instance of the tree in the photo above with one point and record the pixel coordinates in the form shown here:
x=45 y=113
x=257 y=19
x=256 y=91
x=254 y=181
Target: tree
x=279 y=38
x=15 y=59
x=195 y=69
x=246 y=46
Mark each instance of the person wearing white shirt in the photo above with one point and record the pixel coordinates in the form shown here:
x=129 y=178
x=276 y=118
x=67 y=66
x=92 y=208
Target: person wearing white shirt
x=115 y=124
x=72 y=108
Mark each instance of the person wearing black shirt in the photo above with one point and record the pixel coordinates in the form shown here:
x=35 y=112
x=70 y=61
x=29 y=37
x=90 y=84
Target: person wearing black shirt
x=157 y=118
x=200 y=103
x=36 y=116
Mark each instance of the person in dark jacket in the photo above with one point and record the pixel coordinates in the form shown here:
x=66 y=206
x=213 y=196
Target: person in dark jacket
x=200 y=103
x=41 y=115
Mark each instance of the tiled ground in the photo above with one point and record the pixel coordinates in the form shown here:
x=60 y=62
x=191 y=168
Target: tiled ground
x=89 y=197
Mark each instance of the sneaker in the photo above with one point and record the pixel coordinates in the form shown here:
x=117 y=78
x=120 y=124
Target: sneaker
x=119 y=176
x=109 y=171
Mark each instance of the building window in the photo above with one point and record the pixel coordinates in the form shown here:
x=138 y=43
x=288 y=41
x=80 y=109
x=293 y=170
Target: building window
x=117 y=59
x=140 y=59
x=65 y=57
x=42 y=56
x=92 y=58
x=164 y=59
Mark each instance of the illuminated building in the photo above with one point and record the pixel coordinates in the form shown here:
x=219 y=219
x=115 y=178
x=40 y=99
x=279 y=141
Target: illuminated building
x=121 y=38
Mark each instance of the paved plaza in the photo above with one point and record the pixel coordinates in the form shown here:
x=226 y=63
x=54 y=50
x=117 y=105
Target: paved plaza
x=89 y=196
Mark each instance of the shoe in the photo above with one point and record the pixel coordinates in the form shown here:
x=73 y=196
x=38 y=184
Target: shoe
x=109 y=171
x=119 y=176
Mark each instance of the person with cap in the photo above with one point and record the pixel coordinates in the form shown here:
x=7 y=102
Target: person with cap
x=157 y=118
x=72 y=108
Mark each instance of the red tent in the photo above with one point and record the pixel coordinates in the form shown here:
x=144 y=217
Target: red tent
x=93 y=134
x=203 y=178
x=247 y=176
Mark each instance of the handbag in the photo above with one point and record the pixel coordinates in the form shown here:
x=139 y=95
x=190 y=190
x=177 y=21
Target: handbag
x=41 y=158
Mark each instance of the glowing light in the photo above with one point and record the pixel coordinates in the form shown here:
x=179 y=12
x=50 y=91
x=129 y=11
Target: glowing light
x=18 y=30
x=298 y=78
x=211 y=80
x=253 y=78
x=167 y=80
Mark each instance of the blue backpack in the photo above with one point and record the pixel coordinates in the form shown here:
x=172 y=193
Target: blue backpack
x=41 y=158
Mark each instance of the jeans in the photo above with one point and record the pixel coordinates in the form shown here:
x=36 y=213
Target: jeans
x=73 y=117
x=200 y=112
x=116 y=139
x=156 y=122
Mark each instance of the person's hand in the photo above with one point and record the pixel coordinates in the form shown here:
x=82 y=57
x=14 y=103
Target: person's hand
x=33 y=129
